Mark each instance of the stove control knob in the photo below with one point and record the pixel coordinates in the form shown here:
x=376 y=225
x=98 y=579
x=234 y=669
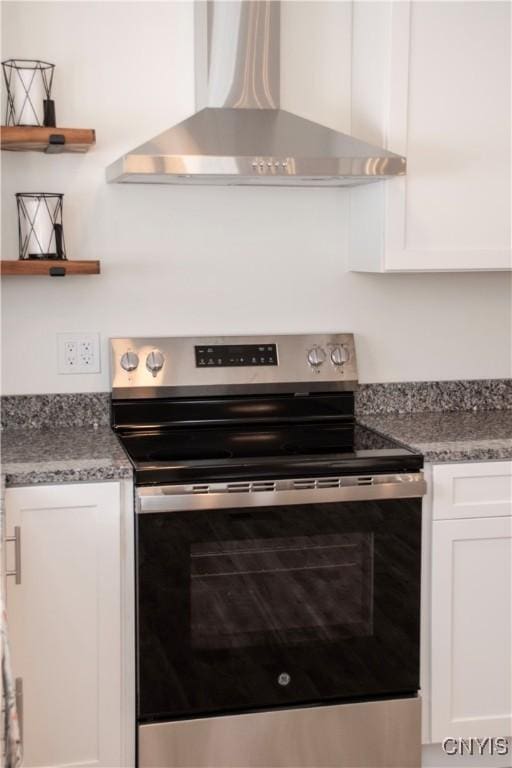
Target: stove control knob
x=316 y=356
x=155 y=361
x=129 y=361
x=339 y=355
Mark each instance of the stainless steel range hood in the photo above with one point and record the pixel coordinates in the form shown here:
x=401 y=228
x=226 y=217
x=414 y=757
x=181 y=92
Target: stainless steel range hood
x=239 y=135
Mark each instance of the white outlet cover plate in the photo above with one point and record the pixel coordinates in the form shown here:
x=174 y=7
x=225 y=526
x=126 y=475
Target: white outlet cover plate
x=78 y=352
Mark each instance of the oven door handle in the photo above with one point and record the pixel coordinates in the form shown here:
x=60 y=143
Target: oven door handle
x=267 y=493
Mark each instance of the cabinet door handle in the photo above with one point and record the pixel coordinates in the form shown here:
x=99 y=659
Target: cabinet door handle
x=18 y=692
x=17 y=554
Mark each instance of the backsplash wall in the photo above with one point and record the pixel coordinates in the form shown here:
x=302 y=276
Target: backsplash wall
x=178 y=260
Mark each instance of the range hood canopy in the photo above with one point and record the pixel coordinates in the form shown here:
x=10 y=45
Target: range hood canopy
x=239 y=135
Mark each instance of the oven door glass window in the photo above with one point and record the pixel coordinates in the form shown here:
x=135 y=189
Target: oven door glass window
x=271 y=606
x=282 y=591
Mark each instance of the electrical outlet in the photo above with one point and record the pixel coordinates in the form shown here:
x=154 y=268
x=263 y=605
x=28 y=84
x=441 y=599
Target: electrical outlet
x=78 y=352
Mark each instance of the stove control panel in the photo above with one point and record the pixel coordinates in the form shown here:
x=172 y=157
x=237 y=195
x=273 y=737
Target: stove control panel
x=230 y=355
x=143 y=367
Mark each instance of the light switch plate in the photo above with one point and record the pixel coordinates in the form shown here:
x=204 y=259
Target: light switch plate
x=78 y=352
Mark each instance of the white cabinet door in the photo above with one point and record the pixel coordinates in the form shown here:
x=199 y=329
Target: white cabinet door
x=471 y=659
x=64 y=622
x=431 y=81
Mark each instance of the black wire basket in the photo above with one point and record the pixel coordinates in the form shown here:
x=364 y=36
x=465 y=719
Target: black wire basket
x=40 y=231
x=29 y=86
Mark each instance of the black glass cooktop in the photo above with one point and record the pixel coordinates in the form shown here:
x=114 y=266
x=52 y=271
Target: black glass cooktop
x=221 y=439
x=207 y=454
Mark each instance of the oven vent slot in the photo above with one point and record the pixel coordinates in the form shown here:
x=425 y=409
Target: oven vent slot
x=319 y=484
x=365 y=480
x=200 y=489
x=304 y=485
x=257 y=485
x=263 y=485
x=328 y=482
x=238 y=487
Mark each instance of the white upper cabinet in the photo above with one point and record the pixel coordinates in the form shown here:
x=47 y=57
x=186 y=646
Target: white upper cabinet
x=431 y=81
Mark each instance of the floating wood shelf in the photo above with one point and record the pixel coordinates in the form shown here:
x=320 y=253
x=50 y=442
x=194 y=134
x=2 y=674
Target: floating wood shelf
x=51 y=267
x=51 y=140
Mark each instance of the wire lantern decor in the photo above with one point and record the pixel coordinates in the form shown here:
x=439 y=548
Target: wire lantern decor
x=29 y=86
x=40 y=231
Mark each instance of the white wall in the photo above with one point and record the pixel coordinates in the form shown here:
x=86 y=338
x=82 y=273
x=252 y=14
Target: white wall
x=178 y=260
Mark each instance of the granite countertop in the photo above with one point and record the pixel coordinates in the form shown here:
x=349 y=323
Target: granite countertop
x=34 y=452
x=62 y=455
x=448 y=436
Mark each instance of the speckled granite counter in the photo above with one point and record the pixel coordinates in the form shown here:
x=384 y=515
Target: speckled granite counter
x=58 y=438
x=64 y=455
x=448 y=436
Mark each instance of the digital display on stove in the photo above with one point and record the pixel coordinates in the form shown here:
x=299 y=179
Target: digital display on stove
x=231 y=355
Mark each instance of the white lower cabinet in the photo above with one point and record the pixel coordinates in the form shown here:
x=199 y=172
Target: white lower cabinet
x=67 y=623
x=471 y=601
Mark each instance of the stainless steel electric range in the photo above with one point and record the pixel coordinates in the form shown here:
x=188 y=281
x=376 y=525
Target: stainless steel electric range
x=278 y=548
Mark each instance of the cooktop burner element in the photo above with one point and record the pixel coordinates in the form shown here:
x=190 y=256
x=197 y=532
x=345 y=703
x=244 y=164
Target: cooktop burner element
x=227 y=408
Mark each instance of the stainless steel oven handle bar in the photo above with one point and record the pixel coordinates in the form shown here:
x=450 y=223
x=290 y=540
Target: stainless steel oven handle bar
x=266 y=493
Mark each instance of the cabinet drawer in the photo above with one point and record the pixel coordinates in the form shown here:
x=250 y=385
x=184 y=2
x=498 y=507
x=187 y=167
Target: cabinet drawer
x=481 y=489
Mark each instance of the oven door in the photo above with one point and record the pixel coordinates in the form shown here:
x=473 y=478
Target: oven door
x=251 y=598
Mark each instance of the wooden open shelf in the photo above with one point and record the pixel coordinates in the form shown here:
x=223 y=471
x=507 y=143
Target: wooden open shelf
x=51 y=140
x=49 y=267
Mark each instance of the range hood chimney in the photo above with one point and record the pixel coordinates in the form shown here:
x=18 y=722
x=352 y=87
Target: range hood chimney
x=240 y=135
